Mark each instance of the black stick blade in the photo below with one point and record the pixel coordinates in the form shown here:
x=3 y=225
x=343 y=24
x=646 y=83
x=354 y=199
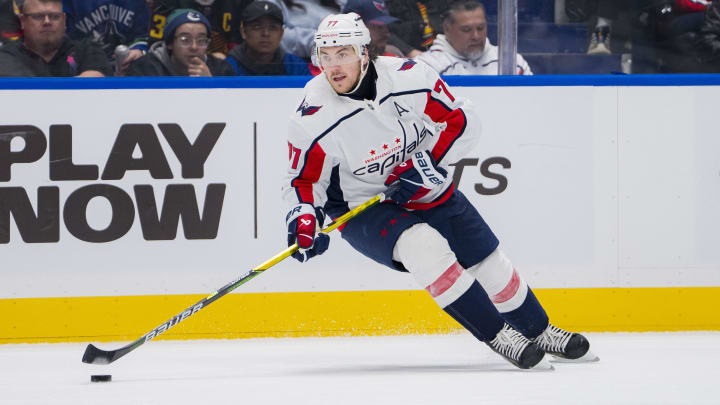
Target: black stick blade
x=93 y=355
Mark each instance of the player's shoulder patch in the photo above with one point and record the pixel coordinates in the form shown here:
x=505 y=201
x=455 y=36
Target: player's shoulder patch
x=407 y=65
x=307 y=109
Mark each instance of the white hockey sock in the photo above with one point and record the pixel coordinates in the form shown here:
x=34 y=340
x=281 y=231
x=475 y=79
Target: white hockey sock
x=501 y=281
x=427 y=255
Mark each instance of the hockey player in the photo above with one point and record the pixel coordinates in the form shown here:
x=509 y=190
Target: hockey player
x=373 y=124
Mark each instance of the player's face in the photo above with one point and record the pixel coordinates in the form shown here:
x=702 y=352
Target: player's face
x=190 y=42
x=262 y=35
x=341 y=66
x=43 y=24
x=466 y=31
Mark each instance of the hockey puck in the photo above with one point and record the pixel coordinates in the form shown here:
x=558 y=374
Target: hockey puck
x=101 y=378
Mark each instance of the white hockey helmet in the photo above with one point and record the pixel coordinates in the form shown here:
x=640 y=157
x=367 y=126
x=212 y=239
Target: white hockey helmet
x=342 y=30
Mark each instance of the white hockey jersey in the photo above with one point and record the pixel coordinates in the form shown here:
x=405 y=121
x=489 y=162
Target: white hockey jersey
x=342 y=150
x=446 y=61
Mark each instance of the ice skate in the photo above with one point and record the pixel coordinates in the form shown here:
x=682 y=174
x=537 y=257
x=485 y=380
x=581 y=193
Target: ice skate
x=519 y=350
x=565 y=346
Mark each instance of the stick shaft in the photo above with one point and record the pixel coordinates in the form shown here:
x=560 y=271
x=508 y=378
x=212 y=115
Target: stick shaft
x=93 y=355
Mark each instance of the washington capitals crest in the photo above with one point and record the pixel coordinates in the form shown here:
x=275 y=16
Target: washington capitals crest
x=306 y=109
x=407 y=65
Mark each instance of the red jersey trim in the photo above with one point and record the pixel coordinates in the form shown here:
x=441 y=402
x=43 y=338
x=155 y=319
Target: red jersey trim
x=426 y=206
x=455 y=120
x=310 y=174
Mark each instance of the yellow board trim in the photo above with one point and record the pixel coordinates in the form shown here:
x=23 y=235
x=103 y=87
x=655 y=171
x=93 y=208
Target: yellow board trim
x=349 y=313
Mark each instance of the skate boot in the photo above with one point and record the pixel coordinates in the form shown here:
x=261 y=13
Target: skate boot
x=565 y=345
x=518 y=350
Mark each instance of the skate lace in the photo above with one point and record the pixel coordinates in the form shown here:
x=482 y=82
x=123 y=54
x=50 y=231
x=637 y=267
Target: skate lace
x=554 y=339
x=509 y=342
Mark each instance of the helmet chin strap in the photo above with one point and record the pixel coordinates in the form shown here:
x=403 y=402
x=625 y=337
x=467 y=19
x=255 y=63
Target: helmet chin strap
x=363 y=68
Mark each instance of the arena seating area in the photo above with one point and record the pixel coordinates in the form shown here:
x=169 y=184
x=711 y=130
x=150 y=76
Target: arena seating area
x=552 y=48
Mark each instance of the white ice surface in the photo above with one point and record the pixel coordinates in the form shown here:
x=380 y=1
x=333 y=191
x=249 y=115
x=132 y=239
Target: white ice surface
x=635 y=368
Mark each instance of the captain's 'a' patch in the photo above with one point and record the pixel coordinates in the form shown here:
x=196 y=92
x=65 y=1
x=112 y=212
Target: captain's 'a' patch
x=400 y=109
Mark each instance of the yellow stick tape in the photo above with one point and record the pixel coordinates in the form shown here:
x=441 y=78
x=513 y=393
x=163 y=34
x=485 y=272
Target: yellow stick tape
x=353 y=313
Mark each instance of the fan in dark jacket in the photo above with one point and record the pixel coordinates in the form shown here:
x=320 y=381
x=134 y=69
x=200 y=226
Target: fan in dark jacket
x=45 y=51
x=224 y=17
x=260 y=53
x=183 y=51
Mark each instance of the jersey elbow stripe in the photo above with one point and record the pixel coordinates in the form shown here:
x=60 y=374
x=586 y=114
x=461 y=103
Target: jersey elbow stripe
x=311 y=171
x=456 y=123
x=455 y=129
x=310 y=174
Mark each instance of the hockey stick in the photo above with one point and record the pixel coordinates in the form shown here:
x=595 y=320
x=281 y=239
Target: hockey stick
x=93 y=355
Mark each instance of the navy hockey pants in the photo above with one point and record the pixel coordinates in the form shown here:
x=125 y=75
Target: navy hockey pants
x=375 y=232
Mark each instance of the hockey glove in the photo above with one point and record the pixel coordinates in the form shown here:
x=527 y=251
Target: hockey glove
x=302 y=222
x=414 y=178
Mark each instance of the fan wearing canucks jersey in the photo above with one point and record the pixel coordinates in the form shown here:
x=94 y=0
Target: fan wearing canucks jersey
x=371 y=124
x=110 y=23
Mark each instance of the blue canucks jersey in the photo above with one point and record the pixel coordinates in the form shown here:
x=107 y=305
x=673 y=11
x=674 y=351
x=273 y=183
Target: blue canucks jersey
x=109 y=22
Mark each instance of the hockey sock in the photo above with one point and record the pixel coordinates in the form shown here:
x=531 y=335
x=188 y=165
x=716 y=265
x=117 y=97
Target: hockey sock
x=510 y=294
x=427 y=255
x=474 y=311
x=530 y=318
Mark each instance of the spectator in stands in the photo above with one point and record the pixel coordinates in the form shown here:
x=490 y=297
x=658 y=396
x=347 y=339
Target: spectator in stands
x=260 y=53
x=464 y=49
x=378 y=20
x=183 y=51
x=224 y=17
x=709 y=39
x=44 y=50
x=111 y=23
x=302 y=18
x=9 y=22
x=421 y=22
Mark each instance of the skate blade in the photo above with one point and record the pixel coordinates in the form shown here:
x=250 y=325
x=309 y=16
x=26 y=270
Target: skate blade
x=588 y=357
x=543 y=365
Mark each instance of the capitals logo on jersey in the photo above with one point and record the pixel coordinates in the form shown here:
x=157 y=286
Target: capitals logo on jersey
x=305 y=109
x=407 y=65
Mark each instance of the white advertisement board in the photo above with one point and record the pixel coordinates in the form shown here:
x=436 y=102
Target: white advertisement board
x=177 y=191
